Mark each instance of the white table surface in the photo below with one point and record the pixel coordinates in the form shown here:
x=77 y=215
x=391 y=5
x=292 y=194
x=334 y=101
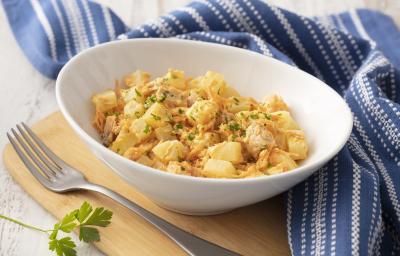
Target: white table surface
x=25 y=95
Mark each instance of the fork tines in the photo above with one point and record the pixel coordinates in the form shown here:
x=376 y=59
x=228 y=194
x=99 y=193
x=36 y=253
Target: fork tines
x=37 y=157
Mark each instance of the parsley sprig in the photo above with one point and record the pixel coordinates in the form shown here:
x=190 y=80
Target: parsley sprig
x=85 y=219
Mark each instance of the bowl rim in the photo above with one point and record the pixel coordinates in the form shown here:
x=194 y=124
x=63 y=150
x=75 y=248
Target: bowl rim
x=347 y=116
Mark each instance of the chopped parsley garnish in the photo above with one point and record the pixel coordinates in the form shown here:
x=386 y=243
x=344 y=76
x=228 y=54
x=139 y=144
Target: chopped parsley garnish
x=146 y=129
x=236 y=100
x=254 y=116
x=181 y=111
x=150 y=101
x=163 y=97
x=194 y=119
x=267 y=116
x=179 y=126
x=191 y=136
x=138 y=93
x=157 y=118
x=226 y=118
x=138 y=114
x=234 y=127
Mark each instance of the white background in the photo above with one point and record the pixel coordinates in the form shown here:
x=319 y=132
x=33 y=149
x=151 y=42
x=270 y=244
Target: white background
x=25 y=95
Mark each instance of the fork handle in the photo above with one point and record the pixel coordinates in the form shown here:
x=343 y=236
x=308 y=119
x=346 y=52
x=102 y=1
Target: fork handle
x=192 y=244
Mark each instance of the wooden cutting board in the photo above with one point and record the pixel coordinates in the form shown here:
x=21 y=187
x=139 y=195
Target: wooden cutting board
x=254 y=230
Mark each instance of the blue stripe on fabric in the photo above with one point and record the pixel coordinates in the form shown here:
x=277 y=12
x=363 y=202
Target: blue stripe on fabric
x=68 y=28
x=99 y=22
x=85 y=22
x=37 y=51
x=55 y=26
x=391 y=48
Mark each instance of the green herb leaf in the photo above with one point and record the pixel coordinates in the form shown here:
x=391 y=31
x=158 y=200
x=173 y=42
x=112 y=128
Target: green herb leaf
x=63 y=247
x=157 y=118
x=254 y=116
x=67 y=224
x=267 y=116
x=100 y=217
x=54 y=233
x=150 y=101
x=234 y=127
x=179 y=126
x=181 y=111
x=162 y=98
x=84 y=212
x=89 y=234
x=138 y=114
x=138 y=93
x=191 y=136
x=146 y=129
x=86 y=216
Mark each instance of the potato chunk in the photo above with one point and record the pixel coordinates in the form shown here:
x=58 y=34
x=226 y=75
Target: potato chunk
x=229 y=92
x=179 y=168
x=275 y=103
x=297 y=144
x=156 y=115
x=137 y=78
x=133 y=109
x=202 y=112
x=171 y=97
x=105 y=101
x=170 y=150
x=124 y=140
x=214 y=81
x=145 y=160
x=165 y=133
x=237 y=104
x=176 y=78
x=132 y=93
x=141 y=129
x=284 y=120
x=280 y=161
x=215 y=168
x=228 y=151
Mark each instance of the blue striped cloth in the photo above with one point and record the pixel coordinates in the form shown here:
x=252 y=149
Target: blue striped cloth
x=351 y=205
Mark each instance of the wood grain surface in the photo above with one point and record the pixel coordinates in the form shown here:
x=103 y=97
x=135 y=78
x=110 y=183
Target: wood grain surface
x=253 y=230
x=28 y=96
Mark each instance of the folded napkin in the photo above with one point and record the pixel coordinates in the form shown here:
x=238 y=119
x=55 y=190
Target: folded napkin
x=351 y=205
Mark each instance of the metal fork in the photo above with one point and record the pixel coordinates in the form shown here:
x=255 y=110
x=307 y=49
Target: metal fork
x=57 y=176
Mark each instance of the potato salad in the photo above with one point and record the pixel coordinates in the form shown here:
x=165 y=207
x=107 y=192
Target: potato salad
x=197 y=126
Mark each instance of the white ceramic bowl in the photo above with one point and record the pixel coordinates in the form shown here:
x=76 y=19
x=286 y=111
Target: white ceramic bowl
x=320 y=111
